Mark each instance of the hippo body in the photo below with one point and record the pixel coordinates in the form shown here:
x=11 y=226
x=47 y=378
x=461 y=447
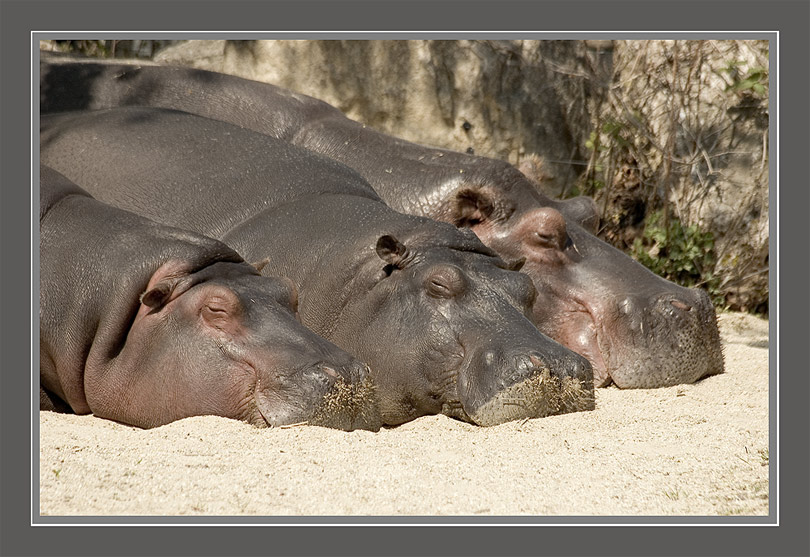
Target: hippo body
x=637 y=329
x=146 y=324
x=438 y=316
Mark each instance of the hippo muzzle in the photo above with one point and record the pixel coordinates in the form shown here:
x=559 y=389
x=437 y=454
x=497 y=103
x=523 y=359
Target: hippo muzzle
x=325 y=394
x=675 y=340
x=348 y=404
x=498 y=386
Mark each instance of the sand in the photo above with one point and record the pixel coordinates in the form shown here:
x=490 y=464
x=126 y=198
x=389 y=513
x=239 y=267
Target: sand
x=697 y=449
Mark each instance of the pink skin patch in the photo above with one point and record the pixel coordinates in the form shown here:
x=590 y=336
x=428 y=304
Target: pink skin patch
x=578 y=332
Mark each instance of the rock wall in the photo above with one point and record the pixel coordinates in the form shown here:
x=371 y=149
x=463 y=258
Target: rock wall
x=497 y=98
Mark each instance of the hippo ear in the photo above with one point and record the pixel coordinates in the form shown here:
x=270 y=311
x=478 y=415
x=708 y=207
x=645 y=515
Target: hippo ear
x=392 y=251
x=164 y=291
x=472 y=207
x=292 y=289
x=582 y=210
x=157 y=296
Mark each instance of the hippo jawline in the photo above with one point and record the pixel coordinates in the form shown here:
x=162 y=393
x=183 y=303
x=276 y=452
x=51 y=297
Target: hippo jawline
x=536 y=397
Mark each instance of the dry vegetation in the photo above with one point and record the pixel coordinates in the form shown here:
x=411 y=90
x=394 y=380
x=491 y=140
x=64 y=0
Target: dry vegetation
x=679 y=161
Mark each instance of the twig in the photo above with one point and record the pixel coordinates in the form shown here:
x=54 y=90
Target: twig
x=288 y=426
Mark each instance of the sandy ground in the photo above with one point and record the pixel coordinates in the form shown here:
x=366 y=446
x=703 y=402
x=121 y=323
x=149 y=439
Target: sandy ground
x=697 y=449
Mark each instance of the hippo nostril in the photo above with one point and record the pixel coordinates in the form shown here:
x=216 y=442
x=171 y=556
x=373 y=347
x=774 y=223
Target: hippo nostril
x=579 y=368
x=489 y=357
x=523 y=363
x=329 y=371
x=536 y=362
x=351 y=373
x=680 y=305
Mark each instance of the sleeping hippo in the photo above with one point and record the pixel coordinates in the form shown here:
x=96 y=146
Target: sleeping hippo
x=146 y=324
x=637 y=329
x=439 y=317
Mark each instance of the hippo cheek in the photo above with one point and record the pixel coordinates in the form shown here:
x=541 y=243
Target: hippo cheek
x=560 y=314
x=418 y=389
x=578 y=331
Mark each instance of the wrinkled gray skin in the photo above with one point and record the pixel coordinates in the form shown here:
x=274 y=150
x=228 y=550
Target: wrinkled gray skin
x=438 y=317
x=146 y=324
x=637 y=329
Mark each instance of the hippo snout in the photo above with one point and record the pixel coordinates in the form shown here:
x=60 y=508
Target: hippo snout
x=350 y=399
x=527 y=384
x=525 y=366
x=675 y=340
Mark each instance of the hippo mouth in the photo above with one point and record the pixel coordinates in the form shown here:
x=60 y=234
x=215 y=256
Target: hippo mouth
x=524 y=387
x=540 y=396
x=349 y=406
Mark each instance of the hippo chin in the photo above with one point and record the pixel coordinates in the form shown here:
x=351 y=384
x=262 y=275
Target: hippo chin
x=147 y=324
x=439 y=317
x=638 y=329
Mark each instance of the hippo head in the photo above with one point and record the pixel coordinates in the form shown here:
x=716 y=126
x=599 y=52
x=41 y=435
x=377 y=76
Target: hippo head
x=637 y=329
x=451 y=335
x=226 y=341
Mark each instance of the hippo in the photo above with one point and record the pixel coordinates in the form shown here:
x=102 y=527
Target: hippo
x=637 y=329
x=146 y=324
x=440 y=318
